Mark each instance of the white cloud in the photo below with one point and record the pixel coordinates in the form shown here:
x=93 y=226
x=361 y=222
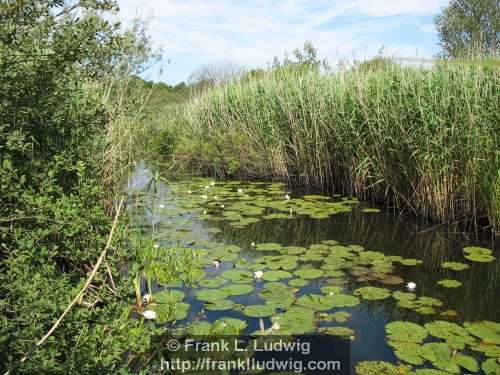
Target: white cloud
x=195 y=32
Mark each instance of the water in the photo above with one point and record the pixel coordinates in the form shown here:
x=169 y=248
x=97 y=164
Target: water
x=171 y=219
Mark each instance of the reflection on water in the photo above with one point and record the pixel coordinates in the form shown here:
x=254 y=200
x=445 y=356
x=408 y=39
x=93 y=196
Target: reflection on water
x=477 y=298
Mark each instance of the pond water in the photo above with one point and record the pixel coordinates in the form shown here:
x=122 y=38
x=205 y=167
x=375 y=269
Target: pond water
x=304 y=259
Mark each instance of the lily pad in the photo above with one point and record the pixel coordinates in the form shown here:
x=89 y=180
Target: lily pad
x=344 y=300
x=488 y=331
x=372 y=293
x=258 y=311
x=276 y=275
x=238 y=289
x=449 y=283
x=478 y=254
x=453 y=333
x=210 y=295
x=381 y=368
x=298 y=282
x=338 y=331
x=212 y=283
x=309 y=273
x=491 y=366
x=455 y=266
x=406 y=332
x=224 y=304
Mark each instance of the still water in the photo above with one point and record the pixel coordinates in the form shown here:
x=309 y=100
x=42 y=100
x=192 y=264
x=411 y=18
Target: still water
x=348 y=239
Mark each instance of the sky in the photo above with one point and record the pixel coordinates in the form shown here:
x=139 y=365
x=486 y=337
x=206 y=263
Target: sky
x=194 y=33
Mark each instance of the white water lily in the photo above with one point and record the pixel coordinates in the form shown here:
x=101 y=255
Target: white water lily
x=205 y=212
x=189 y=191
x=411 y=286
x=252 y=244
x=206 y=187
x=215 y=197
x=149 y=314
x=147 y=298
x=287 y=197
x=275 y=327
x=258 y=275
x=156 y=246
x=240 y=190
x=161 y=206
x=216 y=263
x=222 y=206
x=212 y=183
x=204 y=196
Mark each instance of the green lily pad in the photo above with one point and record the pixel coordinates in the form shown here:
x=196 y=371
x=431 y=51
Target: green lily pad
x=276 y=275
x=210 y=295
x=402 y=296
x=344 y=300
x=214 y=230
x=212 y=283
x=338 y=331
x=478 y=254
x=381 y=368
x=224 y=304
x=467 y=362
x=410 y=262
x=406 y=332
x=298 y=282
x=453 y=333
x=237 y=275
x=228 y=326
x=269 y=246
x=488 y=331
x=455 y=266
x=259 y=311
x=238 y=289
x=309 y=273
x=491 y=366
x=372 y=293
x=315 y=302
x=449 y=283
x=296 y=320
x=169 y=296
x=331 y=289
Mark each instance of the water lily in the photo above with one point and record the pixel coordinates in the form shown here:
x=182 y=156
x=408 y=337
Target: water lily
x=149 y=314
x=212 y=183
x=216 y=263
x=215 y=197
x=275 y=327
x=156 y=246
x=287 y=197
x=258 y=274
x=147 y=298
x=411 y=286
x=161 y=206
x=222 y=206
x=204 y=212
x=189 y=191
x=204 y=196
x=206 y=187
x=240 y=190
x=252 y=244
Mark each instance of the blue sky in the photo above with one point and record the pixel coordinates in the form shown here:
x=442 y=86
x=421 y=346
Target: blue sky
x=193 y=33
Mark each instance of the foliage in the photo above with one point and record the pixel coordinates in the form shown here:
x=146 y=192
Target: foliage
x=345 y=131
x=54 y=222
x=469 y=27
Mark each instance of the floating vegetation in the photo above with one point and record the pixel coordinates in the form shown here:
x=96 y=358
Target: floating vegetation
x=478 y=254
x=294 y=289
x=455 y=266
x=449 y=283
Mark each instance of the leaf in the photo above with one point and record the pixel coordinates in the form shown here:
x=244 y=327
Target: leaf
x=258 y=311
x=406 y=331
x=309 y=273
x=211 y=295
x=238 y=289
x=449 y=283
x=224 y=304
x=372 y=293
x=455 y=266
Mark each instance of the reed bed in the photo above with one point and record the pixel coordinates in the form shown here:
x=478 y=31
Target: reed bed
x=426 y=140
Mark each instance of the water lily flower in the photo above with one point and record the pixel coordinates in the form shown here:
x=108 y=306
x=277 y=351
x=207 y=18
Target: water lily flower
x=258 y=275
x=240 y=190
x=411 y=286
x=212 y=183
x=287 y=197
x=161 y=206
x=156 y=246
x=275 y=327
x=147 y=298
x=215 y=197
x=206 y=187
x=216 y=263
x=204 y=196
x=205 y=212
x=189 y=192
x=149 y=314
x=222 y=206
x=252 y=244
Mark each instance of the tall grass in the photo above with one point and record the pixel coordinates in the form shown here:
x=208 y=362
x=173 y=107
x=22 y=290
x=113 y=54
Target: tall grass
x=423 y=139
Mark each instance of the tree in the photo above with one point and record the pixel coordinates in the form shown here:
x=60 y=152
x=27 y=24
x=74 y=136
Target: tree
x=307 y=58
x=469 y=27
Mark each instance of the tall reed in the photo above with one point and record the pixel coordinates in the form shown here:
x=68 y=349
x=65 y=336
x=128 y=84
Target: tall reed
x=424 y=139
